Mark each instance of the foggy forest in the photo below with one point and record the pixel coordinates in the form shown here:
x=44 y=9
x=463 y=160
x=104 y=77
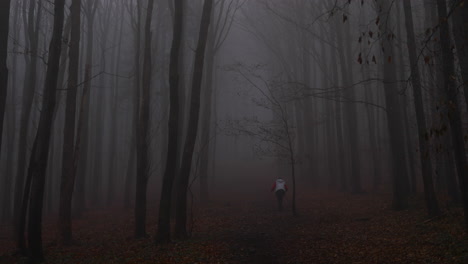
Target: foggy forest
x=233 y=131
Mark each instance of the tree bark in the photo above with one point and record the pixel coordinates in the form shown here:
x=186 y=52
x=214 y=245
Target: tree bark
x=22 y=185
x=351 y=113
x=339 y=125
x=452 y=106
x=143 y=132
x=163 y=231
x=427 y=171
x=192 y=129
x=113 y=149
x=394 y=116
x=83 y=133
x=99 y=117
x=68 y=169
x=206 y=120
x=4 y=28
x=130 y=175
x=372 y=130
x=460 y=33
x=39 y=156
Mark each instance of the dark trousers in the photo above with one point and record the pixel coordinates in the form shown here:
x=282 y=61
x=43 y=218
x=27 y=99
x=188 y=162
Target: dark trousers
x=279 y=196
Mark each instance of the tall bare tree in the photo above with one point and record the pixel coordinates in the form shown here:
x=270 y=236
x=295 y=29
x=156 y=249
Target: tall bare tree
x=83 y=136
x=136 y=26
x=22 y=185
x=192 y=129
x=222 y=21
x=431 y=200
x=460 y=33
x=350 y=113
x=394 y=114
x=4 y=28
x=4 y=31
x=143 y=162
x=68 y=168
x=40 y=151
x=163 y=232
x=452 y=107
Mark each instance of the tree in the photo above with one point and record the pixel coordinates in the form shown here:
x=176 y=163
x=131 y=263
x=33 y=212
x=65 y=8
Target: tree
x=39 y=156
x=83 y=137
x=68 y=167
x=431 y=200
x=277 y=136
x=338 y=124
x=192 y=129
x=136 y=25
x=344 y=52
x=22 y=185
x=460 y=33
x=394 y=115
x=338 y=119
x=100 y=98
x=216 y=36
x=143 y=163
x=451 y=106
x=163 y=231
x=4 y=28
x=11 y=117
x=113 y=148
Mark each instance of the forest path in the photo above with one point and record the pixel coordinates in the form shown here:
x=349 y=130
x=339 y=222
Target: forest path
x=235 y=229
x=258 y=233
x=254 y=231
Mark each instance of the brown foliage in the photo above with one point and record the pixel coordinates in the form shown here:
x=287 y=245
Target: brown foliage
x=330 y=228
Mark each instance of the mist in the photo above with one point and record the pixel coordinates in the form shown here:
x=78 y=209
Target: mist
x=233 y=131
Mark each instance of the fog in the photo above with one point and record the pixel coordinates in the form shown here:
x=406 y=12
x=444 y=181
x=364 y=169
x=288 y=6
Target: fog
x=168 y=122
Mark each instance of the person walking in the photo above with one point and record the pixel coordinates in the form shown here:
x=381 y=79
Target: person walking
x=280 y=189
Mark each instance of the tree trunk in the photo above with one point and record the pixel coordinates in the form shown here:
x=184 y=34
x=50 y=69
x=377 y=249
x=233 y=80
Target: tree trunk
x=293 y=177
x=452 y=106
x=408 y=141
x=113 y=150
x=394 y=117
x=82 y=127
x=21 y=188
x=427 y=171
x=130 y=176
x=12 y=121
x=350 y=107
x=39 y=156
x=83 y=133
x=410 y=148
x=339 y=125
x=206 y=120
x=129 y=180
x=292 y=159
x=4 y=28
x=163 y=231
x=192 y=129
x=99 y=117
x=68 y=168
x=372 y=130
x=460 y=33
x=143 y=163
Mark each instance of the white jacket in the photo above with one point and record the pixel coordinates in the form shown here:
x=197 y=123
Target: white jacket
x=280 y=185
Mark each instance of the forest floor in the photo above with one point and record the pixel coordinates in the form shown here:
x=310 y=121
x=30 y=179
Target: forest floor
x=330 y=228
